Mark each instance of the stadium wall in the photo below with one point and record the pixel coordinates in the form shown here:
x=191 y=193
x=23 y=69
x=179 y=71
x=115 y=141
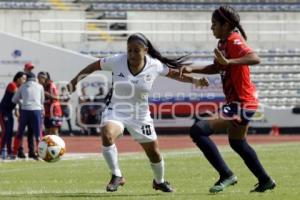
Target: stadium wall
x=171 y=101
x=62 y=64
x=26 y=23
x=267 y=30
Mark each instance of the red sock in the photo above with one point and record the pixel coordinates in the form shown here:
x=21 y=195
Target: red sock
x=17 y=143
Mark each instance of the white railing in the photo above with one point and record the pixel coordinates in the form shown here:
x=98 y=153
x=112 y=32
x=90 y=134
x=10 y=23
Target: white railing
x=77 y=30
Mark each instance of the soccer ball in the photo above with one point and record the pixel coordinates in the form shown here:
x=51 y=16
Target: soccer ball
x=51 y=148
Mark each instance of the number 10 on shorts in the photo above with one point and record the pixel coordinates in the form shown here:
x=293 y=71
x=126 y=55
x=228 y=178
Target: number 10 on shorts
x=146 y=130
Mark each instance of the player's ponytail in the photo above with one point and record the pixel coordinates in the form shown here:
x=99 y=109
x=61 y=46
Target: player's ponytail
x=241 y=29
x=153 y=52
x=227 y=14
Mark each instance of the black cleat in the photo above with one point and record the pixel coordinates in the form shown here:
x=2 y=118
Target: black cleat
x=165 y=186
x=114 y=183
x=34 y=156
x=262 y=187
x=21 y=155
x=13 y=157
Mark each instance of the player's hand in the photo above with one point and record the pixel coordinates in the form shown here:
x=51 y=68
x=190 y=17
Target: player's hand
x=17 y=113
x=202 y=82
x=220 y=57
x=71 y=87
x=48 y=94
x=185 y=69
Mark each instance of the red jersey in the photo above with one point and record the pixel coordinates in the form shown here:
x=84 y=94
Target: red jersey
x=237 y=85
x=6 y=105
x=52 y=106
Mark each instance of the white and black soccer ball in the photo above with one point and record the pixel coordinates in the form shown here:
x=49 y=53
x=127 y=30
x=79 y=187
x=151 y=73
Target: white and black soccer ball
x=51 y=148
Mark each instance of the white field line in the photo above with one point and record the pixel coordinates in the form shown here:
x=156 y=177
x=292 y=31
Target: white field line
x=189 y=152
x=133 y=156
x=78 y=157
x=52 y=192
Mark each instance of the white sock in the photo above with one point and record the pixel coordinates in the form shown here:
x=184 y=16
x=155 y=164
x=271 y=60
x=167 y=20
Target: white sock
x=110 y=155
x=158 y=171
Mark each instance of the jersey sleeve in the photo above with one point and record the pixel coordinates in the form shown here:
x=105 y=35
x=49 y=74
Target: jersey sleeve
x=17 y=95
x=11 y=87
x=108 y=63
x=53 y=90
x=237 y=47
x=163 y=69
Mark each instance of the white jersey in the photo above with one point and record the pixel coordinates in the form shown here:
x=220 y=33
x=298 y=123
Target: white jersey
x=130 y=95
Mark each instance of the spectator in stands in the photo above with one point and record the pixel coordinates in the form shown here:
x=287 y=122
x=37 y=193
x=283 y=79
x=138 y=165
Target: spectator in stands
x=232 y=59
x=32 y=95
x=64 y=98
x=53 y=113
x=6 y=115
x=95 y=112
x=84 y=105
x=133 y=71
x=101 y=100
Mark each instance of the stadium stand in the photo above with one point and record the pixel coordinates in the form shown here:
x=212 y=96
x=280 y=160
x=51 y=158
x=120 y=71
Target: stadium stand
x=18 y=1
x=147 y=6
x=187 y=1
x=277 y=78
x=94 y=27
x=32 y=5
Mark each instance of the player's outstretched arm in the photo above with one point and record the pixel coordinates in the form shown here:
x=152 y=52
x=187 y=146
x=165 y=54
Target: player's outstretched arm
x=248 y=59
x=209 y=69
x=199 y=82
x=82 y=74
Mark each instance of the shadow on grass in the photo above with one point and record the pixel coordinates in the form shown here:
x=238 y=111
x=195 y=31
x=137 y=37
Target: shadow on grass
x=75 y=195
x=95 y=195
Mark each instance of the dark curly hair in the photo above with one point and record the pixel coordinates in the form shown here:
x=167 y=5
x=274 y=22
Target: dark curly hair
x=228 y=14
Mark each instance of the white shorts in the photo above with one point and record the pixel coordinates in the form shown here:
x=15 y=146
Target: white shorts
x=141 y=130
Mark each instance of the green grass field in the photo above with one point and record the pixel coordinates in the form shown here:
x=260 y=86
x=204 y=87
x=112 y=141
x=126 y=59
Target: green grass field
x=187 y=170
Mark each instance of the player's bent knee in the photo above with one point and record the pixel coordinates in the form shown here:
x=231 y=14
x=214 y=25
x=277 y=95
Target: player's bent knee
x=108 y=137
x=201 y=128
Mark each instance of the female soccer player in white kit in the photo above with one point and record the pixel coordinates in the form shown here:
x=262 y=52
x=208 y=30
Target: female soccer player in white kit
x=133 y=75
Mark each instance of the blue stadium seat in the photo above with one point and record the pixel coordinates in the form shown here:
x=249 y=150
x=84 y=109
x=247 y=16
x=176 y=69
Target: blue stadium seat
x=24 y=5
x=171 y=6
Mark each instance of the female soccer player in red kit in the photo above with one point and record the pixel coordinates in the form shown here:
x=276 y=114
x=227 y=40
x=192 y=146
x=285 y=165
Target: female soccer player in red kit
x=6 y=114
x=232 y=59
x=53 y=112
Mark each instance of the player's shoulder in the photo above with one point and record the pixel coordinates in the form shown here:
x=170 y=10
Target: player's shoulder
x=11 y=86
x=120 y=56
x=52 y=84
x=235 y=38
x=115 y=57
x=37 y=85
x=153 y=61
